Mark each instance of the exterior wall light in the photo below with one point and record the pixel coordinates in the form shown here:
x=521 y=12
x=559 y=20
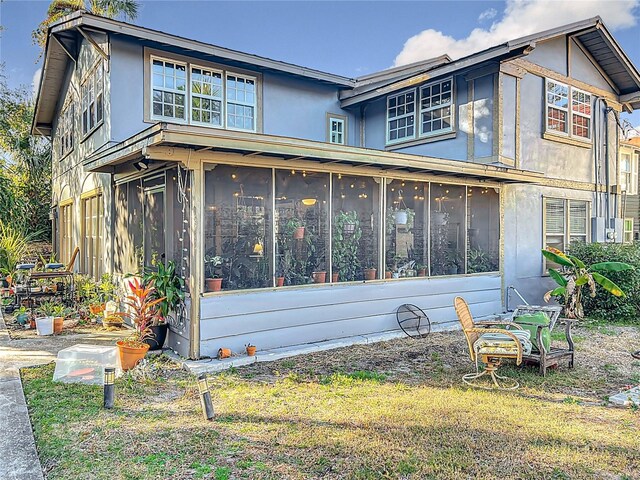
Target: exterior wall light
x=309 y=202
x=109 y=386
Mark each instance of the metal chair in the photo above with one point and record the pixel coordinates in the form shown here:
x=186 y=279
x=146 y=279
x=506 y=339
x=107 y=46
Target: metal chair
x=491 y=345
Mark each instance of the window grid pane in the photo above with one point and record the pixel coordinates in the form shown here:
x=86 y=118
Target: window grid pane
x=169 y=89
x=241 y=101
x=435 y=104
x=400 y=116
x=557 y=106
x=206 y=96
x=581 y=113
x=337 y=131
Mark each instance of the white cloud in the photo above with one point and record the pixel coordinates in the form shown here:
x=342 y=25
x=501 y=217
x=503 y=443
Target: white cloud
x=35 y=81
x=520 y=18
x=488 y=14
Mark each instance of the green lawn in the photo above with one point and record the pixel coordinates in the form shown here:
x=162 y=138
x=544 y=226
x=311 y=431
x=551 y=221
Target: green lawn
x=390 y=410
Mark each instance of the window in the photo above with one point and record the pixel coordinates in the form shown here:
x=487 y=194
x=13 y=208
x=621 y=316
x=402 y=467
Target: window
x=92 y=226
x=93 y=100
x=578 y=123
x=483 y=230
x=65 y=221
x=565 y=221
x=580 y=113
x=448 y=222
x=337 y=129
x=169 y=89
x=241 y=102
x=65 y=131
x=628 y=230
x=406 y=229
x=206 y=97
x=401 y=116
x=435 y=107
x=629 y=173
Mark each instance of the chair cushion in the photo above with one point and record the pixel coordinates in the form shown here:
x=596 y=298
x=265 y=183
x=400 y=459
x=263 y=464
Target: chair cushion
x=501 y=344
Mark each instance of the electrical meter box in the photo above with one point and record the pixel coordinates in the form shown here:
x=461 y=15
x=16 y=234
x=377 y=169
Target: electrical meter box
x=86 y=363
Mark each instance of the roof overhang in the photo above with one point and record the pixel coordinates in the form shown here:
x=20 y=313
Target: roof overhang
x=198 y=141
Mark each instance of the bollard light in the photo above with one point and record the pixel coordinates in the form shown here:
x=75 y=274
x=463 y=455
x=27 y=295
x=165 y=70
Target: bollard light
x=109 y=386
x=205 y=397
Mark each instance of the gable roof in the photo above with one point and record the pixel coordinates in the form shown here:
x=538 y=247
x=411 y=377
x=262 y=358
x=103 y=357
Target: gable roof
x=591 y=33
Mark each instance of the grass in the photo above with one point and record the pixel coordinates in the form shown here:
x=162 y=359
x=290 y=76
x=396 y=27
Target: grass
x=395 y=410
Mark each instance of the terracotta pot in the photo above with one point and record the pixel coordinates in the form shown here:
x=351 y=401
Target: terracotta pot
x=213 y=284
x=422 y=272
x=280 y=281
x=334 y=278
x=224 y=353
x=369 y=273
x=319 y=277
x=58 y=323
x=387 y=274
x=130 y=355
x=251 y=350
x=96 y=308
x=298 y=233
x=32 y=323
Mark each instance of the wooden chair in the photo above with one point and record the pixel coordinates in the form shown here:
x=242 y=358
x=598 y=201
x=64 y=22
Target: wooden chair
x=491 y=349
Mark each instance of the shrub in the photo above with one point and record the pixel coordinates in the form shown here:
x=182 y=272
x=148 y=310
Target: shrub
x=604 y=305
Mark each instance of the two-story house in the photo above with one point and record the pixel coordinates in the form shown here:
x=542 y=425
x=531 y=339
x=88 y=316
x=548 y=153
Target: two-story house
x=303 y=206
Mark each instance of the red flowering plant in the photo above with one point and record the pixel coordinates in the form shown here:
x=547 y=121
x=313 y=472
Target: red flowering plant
x=143 y=310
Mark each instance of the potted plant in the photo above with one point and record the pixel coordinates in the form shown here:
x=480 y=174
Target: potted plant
x=60 y=312
x=296 y=226
x=22 y=315
x=213 y=281
x=369 y=270
x=169 y=287
x=143 y=310
x=422 y=270
x=44 y=323
x=346 y=243
x=334 y=277
x=251 y=350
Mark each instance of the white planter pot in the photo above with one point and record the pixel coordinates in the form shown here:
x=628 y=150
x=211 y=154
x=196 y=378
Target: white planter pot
x=401 y=217
x=44 y=325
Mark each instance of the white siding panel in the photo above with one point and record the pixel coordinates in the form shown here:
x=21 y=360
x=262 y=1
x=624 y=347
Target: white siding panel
x=282 y=317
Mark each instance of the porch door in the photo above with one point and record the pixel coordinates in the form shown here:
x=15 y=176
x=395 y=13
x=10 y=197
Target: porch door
x=154 y=226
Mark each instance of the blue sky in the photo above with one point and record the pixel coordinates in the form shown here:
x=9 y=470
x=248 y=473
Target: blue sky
x=347 y=38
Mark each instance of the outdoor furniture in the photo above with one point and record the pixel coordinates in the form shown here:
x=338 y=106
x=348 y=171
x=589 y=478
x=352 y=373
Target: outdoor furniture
x=491 y=345
x=540 y=355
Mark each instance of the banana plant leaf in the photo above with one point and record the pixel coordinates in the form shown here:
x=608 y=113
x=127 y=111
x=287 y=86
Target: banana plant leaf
x=557 y=276
x=611 y=267
x=608 y=285
x=560 y=260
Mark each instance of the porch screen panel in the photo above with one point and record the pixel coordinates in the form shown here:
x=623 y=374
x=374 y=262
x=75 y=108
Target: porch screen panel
x=406 y=229
x=302 y=227
x=483 y=230
x=356 y=223
x=448 y=223
x=238 y=226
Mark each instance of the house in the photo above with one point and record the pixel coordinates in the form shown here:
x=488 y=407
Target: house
x=323 y=202
x=628 y=180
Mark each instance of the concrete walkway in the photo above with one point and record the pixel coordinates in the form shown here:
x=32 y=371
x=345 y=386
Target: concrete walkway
x=19 y=456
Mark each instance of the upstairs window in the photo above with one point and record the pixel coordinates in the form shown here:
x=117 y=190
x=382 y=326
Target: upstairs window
x=568 y=110
x=337 y=129
x=629 y=173
x=241 y=102
x=65 y=131
x=169 y=89
x=435 y=107
x=93 y=100
x=206 y=96
x=401 y=116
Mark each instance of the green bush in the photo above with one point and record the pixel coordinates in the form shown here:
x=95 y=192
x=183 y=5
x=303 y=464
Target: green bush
x=604 y=305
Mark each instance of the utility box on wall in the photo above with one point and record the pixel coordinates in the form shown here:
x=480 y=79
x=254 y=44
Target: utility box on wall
x=617 y=225
x=601 y=233
x=598 y=233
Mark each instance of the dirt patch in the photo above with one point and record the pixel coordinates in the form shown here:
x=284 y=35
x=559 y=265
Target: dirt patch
x=70 y=327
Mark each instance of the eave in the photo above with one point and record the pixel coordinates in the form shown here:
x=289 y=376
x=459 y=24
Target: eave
x=202 y=139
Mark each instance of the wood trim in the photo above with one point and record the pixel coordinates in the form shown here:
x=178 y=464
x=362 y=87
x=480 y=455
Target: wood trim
x=470 y=119
x=547 y=73
x=66 y=202
x=567 y=140
x=422 y=140
x=91 y=193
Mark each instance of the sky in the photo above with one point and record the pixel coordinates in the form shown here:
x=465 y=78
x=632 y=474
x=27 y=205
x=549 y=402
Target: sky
x=347 y=38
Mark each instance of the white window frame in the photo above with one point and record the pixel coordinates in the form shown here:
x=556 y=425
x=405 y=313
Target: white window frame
x=65 y=132
x=566 y=234
x=92 y=90
x=185 y=92
x=569 y=111
x=335 y=120
x=450 y=104
x=254 y=105
x=629 y=178
x=405 y=115
x=627 y=233
x=221 y=99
